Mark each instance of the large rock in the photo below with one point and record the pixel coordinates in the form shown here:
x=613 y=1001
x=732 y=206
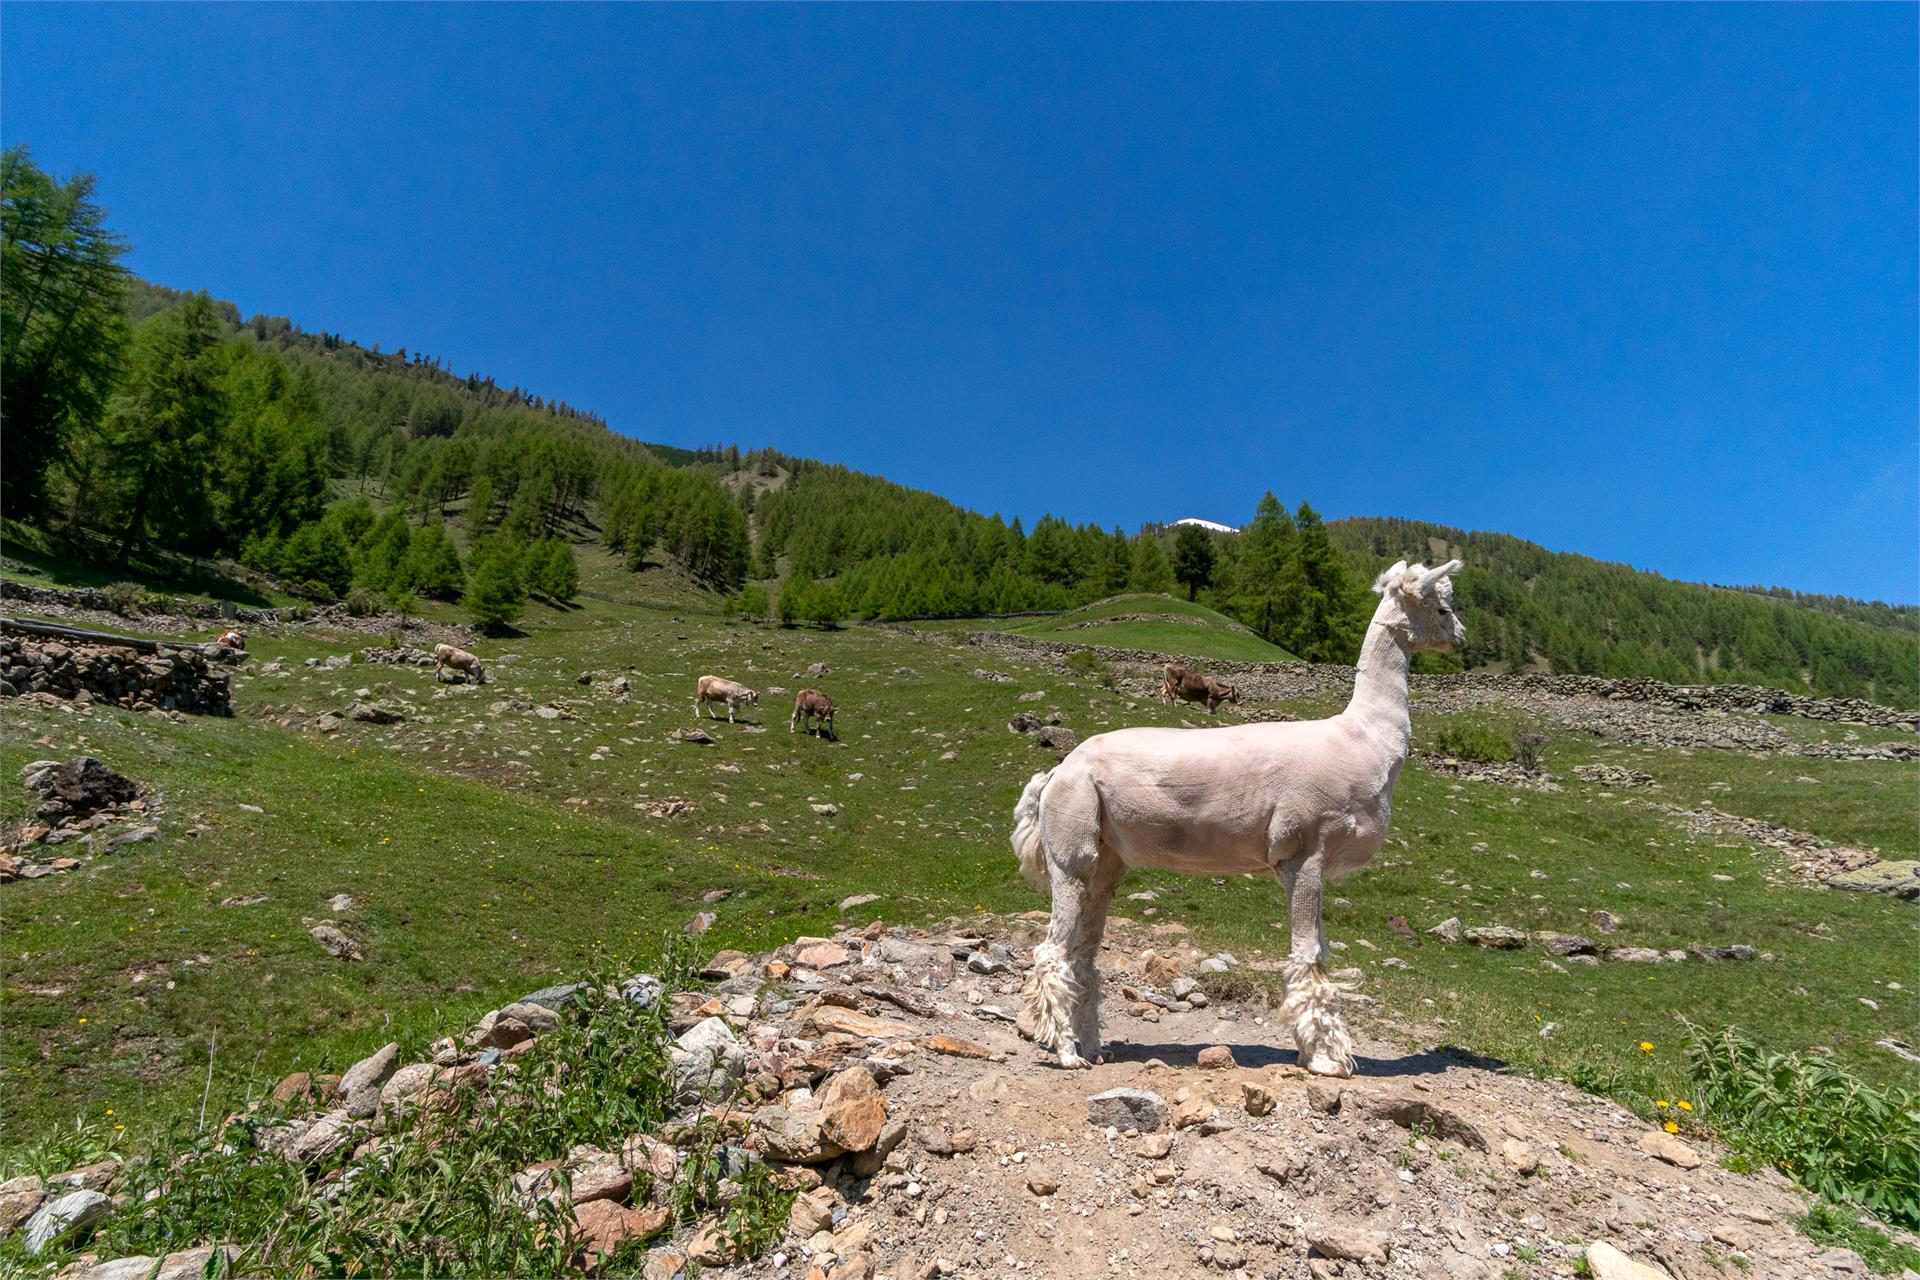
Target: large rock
x=80 y=787
x=1899 y=877
x=19 y=1199
x=852 y=1111
x=1664 y=1146
x=1348 y=1244
x=1498 y=937
x=604 y=1226
x=828 y=1017
x=1409 y=1111
x=66 y=1217
x=707 y=1059
x=326 y=1137
x=1140 y=1109
x=1447 y=930
x=407 y=1083
x=1608 y=1263
x=1564 y=944
x=374 y=713
x=793 y=1137
x=360 y=1087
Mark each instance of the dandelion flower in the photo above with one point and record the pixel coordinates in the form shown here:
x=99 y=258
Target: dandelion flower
x=1671 y=1127
x=1661 y=1103
x=1684 y=1105
x=1646 y=1046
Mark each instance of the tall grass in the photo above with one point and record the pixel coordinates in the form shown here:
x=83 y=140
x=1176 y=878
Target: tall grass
x=435 y=1197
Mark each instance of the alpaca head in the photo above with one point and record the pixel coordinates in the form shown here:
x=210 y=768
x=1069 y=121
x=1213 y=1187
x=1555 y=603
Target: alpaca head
x=1418 y=602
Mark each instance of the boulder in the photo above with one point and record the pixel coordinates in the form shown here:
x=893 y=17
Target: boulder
x=1497 y=937
x=1139 y=1109
x=707 y=1059
x=1408 y=1111
x=1447 y=930
x=1608 y=1263
x=1564 y=944
x=336 y=942
x=329 y=1134
x=604 y=1227
x=1897 y=876
x=374 y=713
x=1635 y=955
x=793 y=1137
x=364 y=1078
x=1662 y=1145
x=1215 y=1057
x=852 y=1111
x=65 y=1218
x=1347 y=1244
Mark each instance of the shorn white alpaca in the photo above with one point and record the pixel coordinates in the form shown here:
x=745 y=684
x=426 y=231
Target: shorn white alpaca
x=1307 y=800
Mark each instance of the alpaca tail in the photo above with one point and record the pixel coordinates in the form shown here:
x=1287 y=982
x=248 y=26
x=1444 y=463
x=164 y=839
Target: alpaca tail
x=1027 y=845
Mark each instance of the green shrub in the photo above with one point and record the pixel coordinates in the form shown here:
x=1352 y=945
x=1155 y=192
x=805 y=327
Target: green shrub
x=362 y=603
x=1825 y=1128
x=124 y=597
x=1472 y=740
x=1086 y=663
x=1830 y=1225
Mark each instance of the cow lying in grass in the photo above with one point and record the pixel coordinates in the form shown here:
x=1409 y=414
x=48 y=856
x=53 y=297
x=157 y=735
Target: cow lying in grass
x=232 y=639
x=712 y=689
x=445 y=655
x=1190 y=686
x=811 y=705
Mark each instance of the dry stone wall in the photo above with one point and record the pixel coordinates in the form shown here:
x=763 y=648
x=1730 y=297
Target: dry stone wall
x=1267 y=681
x=169 y=680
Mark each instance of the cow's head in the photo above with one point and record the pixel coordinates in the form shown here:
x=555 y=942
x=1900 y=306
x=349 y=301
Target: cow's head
x=1233 y=695
x=753 y=697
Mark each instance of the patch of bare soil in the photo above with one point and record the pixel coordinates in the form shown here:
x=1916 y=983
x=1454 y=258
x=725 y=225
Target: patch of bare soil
x=1427 y=1163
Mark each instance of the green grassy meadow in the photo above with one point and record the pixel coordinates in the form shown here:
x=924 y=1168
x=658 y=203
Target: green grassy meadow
x=1118 y=622
x=492 y=853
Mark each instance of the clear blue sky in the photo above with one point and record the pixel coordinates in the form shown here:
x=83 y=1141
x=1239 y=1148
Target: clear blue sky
x=1635 y=281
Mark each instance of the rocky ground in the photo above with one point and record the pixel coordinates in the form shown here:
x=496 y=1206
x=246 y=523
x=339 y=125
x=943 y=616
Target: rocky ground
x=75 y=806
x=880 y=1073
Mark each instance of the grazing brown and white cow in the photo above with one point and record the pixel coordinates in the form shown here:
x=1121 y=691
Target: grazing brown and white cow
x=712 y=689
x=445 y=655
x=811 y=705
x=232 y=639
x=1190 y=686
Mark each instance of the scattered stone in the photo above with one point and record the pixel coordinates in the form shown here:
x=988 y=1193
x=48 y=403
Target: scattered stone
x=955 y=1048
x=1139 y=1109
x=858 y=900
x=1608 y=1263
x=1664 y=1146
x=65 y=1218
x=708 y=1059
x=1258 y=1099
x=701 y=922
x=375 y=713
x=1564 y=944
x=1635 y=955
x=695 y=735
x=337 y=943
x=1605 y=921
x=1323 y=1096
x=1496 y=937
x=1215 y=1057
x=1521 y=1157
x=1347 y=1244
x=1042 y=1184
x=1447 y=930
x=1409 y=1111
x=1611 y=775
x=1714 y=955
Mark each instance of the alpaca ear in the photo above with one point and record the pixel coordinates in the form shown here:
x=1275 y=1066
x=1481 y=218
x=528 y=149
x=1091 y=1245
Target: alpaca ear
x=1391 y=579
x=1431 y=578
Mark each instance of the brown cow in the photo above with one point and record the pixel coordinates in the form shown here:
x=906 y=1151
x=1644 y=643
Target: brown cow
x=446 y=656
x=712 y=689
x=1191 y=686
x=232 y=639
x=809 y=705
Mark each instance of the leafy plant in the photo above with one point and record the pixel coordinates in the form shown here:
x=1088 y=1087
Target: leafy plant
x=1825 y=1223
x=124 y=597
x=1827 y=1129
x=1466 y=739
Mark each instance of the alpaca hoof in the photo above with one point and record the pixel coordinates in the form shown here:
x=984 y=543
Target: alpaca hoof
x=1071 y=1061
x=1324 y=1063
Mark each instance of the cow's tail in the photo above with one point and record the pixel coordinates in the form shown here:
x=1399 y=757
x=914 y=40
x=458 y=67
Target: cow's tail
x=1027 y=845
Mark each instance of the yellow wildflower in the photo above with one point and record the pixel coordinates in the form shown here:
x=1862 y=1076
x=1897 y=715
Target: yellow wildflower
x=1684 y=1105
x=1646 y=1046
x=1671 y=1127
x=1661 y=1103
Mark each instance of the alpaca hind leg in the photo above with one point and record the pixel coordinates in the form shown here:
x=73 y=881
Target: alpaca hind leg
x=1084 y=951
x=1312 y=1004
x=1051 y=994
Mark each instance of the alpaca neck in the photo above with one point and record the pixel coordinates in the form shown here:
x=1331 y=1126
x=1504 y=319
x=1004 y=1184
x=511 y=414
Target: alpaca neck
x=1380 y=687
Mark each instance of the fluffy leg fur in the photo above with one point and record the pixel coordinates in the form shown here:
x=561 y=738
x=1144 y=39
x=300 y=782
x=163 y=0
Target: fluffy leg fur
x=1049 y=999
x=1312 y=1010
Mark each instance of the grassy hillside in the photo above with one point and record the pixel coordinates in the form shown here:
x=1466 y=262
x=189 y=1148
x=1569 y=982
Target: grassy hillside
x=1530 y=608
x=1163 y=623
x=490 y=851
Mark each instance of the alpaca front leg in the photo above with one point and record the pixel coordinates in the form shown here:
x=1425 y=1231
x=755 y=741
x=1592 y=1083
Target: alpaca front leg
x=1312 y=1004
